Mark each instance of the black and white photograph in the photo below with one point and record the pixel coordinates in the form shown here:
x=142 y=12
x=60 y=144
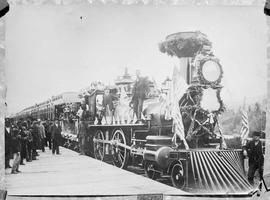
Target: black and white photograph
x=109 y=99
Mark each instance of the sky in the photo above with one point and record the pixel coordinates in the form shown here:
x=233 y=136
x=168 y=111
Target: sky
x=54 y=49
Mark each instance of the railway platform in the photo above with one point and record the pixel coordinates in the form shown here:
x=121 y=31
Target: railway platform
x=71 y=176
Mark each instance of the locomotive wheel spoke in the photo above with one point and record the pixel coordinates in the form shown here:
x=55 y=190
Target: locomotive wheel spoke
x=99 y=146
x=122 y=150
x=121 y=158
x=120 y=154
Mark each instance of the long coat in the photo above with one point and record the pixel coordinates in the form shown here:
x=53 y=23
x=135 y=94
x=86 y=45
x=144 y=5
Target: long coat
x=56 y=133
x=140 y=89
x=255 y=153
x=15 y=141
x=36 y=138
x=7 y=140
x=82 y=129
x=41 y=131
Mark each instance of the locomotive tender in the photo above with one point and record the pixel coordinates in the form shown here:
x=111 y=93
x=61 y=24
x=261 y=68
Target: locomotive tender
x=196 y=158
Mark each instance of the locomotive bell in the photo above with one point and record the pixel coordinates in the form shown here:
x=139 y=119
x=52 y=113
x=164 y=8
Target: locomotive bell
x=162 y=156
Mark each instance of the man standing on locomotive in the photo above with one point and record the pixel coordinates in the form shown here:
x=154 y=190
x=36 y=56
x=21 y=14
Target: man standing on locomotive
x=109 y=99
x=254 y=151
x=140 y=89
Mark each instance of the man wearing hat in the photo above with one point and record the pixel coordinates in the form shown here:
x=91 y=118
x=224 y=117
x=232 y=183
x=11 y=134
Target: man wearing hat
x=42 y=135
x=139 y=91
x=56 y=137
x=109 y=103
x=23 y=142
x=36 y=138
x=254 y=152
x=82 y=128
x=8 y=141
x=16 y=149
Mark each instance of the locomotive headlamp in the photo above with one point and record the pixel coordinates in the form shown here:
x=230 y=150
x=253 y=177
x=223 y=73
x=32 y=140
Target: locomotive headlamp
x=210 y=71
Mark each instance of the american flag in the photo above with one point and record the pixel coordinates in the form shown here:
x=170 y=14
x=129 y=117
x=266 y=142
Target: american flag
x=245 y=126
x=179 y=87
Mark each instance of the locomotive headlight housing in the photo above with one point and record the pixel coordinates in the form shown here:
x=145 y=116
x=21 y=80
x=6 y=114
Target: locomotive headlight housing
x=210 y=71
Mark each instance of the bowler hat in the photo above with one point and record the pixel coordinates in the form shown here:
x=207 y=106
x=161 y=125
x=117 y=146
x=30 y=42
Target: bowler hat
x=257 y=133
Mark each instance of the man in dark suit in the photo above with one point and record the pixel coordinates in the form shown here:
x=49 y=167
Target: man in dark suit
x=109 y=100
x=23 y=142
x=255 y=156
x=29 y=145
x=48 y=134
x=139 y=92
x=56 y=137
x=82 y=129
x=16 y=149
x=7 y=144
x=35 y=140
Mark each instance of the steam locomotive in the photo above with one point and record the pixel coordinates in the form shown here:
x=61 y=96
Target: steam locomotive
x=197 y=160
x=178 y=139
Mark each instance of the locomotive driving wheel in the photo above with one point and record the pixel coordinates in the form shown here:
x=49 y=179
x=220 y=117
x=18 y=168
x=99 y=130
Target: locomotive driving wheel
x=177 y=176
x=99 y=145
x=119 y=153
x=150 y=171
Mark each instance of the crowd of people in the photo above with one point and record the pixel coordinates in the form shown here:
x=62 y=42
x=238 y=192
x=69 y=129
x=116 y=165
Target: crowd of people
x=24 y=138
